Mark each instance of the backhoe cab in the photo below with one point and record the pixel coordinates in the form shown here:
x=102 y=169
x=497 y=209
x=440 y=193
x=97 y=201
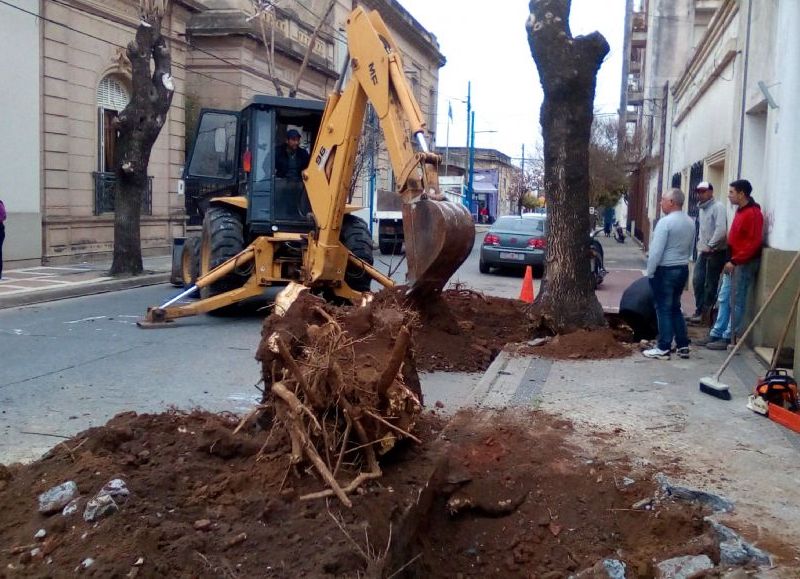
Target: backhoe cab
x=262 y=228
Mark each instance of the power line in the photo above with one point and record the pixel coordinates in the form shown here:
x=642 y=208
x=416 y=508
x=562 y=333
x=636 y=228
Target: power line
x=109 y=42
x=185 y=43
x=425 y=110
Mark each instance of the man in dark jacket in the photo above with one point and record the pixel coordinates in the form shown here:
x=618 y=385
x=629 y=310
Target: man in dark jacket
x=291 y=159
x=638 y=308
x=744 y=242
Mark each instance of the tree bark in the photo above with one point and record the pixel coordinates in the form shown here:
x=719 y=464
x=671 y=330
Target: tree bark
x=139 y=125
x=568 y=72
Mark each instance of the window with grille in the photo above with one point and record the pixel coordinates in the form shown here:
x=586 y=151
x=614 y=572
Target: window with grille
x=112 y=97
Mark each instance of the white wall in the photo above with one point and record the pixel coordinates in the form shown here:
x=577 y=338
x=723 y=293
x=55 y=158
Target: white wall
x=707 y=128
x=781 y=195
x=20 y=145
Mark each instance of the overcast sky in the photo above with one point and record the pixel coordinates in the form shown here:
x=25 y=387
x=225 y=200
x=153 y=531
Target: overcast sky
x=486 y=42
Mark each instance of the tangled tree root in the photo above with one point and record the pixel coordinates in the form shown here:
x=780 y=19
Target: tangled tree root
x=342 y=384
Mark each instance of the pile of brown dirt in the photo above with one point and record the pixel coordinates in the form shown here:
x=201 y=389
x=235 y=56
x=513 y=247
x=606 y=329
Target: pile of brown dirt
x=463 y=330
x=203 y=503
x=581 y=345
x=500 y=495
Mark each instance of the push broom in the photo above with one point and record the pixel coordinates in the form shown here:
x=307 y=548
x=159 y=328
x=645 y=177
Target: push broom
x=712 y=384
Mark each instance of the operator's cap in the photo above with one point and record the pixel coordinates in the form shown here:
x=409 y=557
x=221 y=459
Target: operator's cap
x=292 y=134
x=705 y=185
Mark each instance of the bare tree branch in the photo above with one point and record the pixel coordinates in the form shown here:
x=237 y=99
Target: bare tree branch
x=310 y=48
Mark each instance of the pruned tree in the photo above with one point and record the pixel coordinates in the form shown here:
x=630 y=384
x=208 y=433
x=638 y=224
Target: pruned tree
x=266 y=12
x=138 y=126
x=310 y=48
x=568 y=69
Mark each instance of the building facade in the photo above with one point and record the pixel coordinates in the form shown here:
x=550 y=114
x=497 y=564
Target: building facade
x=730 y=110
x=20 y=116
x=495 y=176
x=67 y=60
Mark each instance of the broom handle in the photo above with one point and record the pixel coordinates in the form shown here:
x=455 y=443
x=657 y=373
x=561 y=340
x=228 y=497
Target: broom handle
x=741 y=341
x=785 y=332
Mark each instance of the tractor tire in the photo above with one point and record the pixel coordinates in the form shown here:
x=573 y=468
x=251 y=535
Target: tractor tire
x=223 y=237
x=357 y=239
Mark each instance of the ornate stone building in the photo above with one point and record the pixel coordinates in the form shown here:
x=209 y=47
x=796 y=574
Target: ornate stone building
x=67 y=60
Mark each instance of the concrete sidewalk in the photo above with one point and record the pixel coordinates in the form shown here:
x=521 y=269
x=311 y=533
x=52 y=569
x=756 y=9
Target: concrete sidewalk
x=656 y=416
x=32 y=285
x=626 y=262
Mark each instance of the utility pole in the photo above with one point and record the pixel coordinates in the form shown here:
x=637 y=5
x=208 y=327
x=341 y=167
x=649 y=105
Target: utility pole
x=471 y=193
x=521 y=191
x=469 y=111
x=372 y=149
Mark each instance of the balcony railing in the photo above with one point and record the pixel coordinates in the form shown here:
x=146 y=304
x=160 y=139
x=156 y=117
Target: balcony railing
x=105 y=189
x=635 y=96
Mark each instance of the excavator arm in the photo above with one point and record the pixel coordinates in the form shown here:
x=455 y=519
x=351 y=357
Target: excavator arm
x=439 y=234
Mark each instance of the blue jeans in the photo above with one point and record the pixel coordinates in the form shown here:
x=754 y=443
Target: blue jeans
x=744 y=277
x=667 y=285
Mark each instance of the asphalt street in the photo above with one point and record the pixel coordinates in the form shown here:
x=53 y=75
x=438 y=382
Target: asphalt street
x=71 y=364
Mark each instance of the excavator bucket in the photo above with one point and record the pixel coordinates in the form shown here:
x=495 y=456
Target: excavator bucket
x=439 y=236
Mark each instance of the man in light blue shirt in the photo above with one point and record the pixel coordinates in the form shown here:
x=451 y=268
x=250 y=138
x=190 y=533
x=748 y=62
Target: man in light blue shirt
x=668 y=270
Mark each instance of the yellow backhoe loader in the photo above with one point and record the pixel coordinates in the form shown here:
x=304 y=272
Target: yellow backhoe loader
x=262 y=228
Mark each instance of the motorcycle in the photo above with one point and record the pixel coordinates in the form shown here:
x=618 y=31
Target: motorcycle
x=596 y=265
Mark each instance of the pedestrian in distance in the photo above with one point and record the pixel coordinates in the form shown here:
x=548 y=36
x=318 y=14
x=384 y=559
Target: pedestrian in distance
x=668 y=270
x=712 y=246
x=608 y=220
x=745 y=240
x=2 y=234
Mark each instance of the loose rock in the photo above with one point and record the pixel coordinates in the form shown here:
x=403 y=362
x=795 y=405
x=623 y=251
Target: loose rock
x=202 y=525
x=98 y=507
x=107 y=500
x=716 y=502
x=56 y=498
x=683 y=567
x=71 y=508
x=40 y=534
x=233 y=541
x=607 y=568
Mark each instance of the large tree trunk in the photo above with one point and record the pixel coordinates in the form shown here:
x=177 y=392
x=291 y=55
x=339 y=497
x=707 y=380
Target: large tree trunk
x=568 y=72
x=139 y=125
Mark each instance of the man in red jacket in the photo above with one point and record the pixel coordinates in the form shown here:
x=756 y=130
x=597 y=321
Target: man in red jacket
x=744 y=244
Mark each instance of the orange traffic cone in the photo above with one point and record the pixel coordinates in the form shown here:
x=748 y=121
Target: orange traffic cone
x=526 y=294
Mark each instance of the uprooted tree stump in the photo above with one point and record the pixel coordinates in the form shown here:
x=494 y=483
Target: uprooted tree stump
x=342 y=384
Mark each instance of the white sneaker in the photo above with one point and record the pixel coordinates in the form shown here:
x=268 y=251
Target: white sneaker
x=656 y=354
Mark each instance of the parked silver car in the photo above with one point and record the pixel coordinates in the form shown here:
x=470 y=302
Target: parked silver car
x=515 y=241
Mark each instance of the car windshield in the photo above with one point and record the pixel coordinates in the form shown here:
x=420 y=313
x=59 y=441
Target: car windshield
x=519 y=225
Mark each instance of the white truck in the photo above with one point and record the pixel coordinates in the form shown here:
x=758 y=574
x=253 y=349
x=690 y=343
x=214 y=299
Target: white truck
x=389 y=218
